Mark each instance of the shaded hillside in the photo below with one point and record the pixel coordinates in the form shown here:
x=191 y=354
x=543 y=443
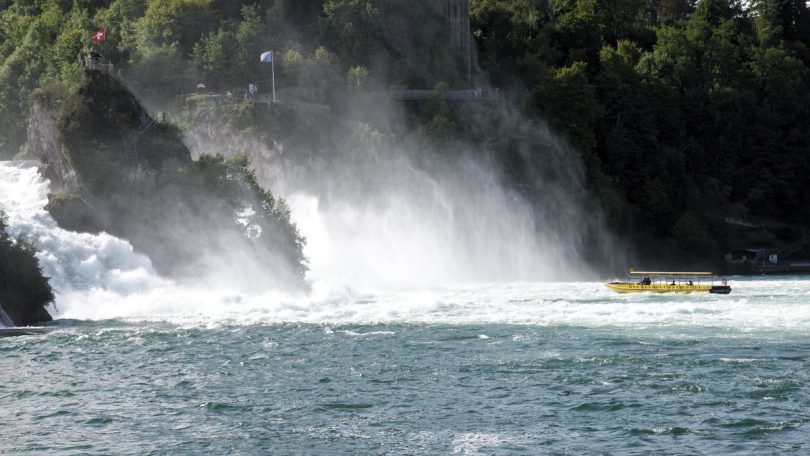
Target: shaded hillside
x=695 y=115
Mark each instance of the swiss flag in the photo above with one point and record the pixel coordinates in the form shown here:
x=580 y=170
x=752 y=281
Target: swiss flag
x=99 y=36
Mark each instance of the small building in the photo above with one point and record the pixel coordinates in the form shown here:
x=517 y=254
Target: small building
x=760 y=260
x=748 y=256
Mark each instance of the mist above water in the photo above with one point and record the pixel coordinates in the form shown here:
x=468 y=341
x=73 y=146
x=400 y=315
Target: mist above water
x=99 y=277
x=420 y=229
x=379 y=211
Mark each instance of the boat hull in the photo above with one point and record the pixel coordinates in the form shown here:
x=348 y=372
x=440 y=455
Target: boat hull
x=720 y=289
x=629 y=287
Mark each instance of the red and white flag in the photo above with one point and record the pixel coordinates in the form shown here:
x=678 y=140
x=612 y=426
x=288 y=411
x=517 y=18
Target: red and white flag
x=100 y=36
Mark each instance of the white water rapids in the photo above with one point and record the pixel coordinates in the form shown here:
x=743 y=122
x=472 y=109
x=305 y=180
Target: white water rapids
x=99 y=277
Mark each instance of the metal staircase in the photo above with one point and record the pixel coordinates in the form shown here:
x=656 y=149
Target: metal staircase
x=130 y=151
x=133 y=137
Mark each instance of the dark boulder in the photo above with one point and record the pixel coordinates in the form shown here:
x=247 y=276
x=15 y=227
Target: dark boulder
x=24 y=291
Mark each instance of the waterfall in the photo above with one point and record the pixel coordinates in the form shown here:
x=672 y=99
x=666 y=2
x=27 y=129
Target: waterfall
x=77 y=264
x=5 y=319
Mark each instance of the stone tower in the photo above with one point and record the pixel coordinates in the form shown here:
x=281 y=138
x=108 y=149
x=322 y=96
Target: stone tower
x=458 y=16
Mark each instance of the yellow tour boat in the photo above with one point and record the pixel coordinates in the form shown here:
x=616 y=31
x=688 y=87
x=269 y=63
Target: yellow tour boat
x=671 y=282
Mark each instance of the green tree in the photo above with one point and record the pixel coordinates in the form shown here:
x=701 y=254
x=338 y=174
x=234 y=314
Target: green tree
x=514 y=38
x=247 y=36
x=293 y=65
x=782 y=20
x=405 y=41
x=568 y=101
x=178 y=23
x=228 y=56
x=356 y=78
x=29 y=61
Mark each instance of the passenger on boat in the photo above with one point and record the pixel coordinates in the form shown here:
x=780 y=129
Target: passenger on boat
x=646 y=281
x=689 y=283
x=672 y=284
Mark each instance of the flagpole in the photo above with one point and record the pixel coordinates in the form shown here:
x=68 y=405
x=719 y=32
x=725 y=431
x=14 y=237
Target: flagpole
x=273 y=71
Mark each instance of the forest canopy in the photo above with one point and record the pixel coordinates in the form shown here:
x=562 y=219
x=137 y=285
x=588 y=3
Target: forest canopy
x=691 y=118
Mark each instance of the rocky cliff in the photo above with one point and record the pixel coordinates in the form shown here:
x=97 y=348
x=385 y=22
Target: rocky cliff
x=115 y=169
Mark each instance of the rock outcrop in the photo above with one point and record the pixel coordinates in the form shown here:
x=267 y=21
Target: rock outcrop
x=43 y=144
x=118 y=171
x=24 y=291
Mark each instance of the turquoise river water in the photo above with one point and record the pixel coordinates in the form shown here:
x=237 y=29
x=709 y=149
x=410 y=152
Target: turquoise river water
x=451 y=387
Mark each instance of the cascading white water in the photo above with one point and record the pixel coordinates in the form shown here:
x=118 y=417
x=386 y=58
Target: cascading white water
x=5 y=319
x=78 y=264
x=404 y=242
x=100 y=277
x=380 y=215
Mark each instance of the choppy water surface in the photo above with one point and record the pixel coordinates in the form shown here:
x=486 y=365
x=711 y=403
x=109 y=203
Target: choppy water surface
x=587 y=372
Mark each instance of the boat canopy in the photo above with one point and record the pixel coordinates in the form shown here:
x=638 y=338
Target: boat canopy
x=670 y=274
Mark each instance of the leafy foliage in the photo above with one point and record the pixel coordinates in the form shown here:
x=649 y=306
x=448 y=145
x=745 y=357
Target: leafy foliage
x=24 y=291
x=685 y=114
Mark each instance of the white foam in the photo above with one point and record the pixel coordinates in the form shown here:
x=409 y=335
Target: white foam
x=474 y=443
x=558 y=304
x=73 y=261
x=101 y=277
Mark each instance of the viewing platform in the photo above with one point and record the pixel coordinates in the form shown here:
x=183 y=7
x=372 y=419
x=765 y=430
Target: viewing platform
x=471 y=95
